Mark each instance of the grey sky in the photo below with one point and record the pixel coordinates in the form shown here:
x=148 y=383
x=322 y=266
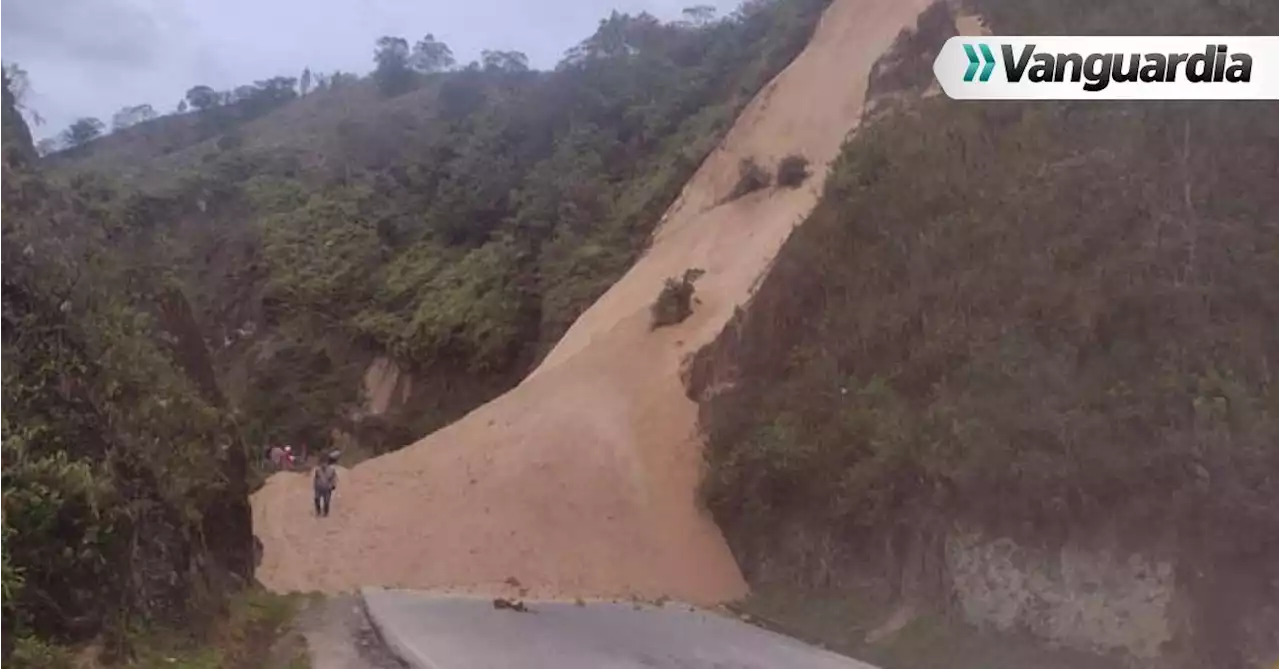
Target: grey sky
x=92 y=57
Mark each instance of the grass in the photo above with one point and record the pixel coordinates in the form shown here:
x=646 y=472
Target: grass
x=256 y=634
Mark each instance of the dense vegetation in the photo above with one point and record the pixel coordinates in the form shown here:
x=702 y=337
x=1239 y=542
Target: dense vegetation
x=456 y=219
x=1045 y=320
x=125 y=490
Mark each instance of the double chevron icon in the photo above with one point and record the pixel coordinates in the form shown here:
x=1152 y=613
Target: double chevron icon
x=988 y=62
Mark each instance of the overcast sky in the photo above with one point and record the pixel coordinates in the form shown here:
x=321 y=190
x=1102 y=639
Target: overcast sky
x=92 y=57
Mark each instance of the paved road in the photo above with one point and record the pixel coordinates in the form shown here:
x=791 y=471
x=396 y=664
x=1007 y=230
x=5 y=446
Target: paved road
x=451 y=632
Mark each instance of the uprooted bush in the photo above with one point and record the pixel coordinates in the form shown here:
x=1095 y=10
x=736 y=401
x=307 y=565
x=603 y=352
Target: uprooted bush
x=793 y=170
x=675 y=302
x=751 y=177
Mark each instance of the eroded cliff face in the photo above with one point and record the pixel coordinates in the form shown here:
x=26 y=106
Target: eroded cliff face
x=1095 y=599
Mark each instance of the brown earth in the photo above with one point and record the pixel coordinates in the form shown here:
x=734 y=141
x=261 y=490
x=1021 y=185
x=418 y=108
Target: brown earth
x=581 y=481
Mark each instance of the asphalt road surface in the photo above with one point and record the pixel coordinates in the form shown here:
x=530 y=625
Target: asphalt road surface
x=430 y=631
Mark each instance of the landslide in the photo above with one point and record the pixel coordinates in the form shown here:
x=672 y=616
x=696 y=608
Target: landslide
x=581 y=481
x=1053 y=322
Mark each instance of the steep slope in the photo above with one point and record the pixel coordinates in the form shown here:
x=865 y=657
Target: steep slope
x=581 y=481
x=1015 y=368
x=808 y=109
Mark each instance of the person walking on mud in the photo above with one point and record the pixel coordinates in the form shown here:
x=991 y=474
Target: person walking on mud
x=325 y=482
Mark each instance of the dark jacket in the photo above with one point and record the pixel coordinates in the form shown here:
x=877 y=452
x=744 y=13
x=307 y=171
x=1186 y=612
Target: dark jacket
x=326 y=477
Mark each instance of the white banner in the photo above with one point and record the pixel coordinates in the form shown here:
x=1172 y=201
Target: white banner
x=1109 y=68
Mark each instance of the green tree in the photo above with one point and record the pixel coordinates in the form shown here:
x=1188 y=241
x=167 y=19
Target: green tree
x=131 y=115
x=19 y=82
x=618 y=36
x=504 y=61
x=202 y=98
x=431 y=55
x=340 y=78
x=47 y=146
x=267 y=94
x=699 y=15
x=392 y=74
x=82 y=131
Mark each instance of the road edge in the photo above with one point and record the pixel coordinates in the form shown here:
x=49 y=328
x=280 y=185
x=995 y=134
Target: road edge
x=403 y=651
x=740 y=611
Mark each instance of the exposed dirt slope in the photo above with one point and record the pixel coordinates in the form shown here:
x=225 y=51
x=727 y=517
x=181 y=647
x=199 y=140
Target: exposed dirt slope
x=581 y=481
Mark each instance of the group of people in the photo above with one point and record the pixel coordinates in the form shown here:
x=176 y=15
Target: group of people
x=324 y=479
x=282 y=457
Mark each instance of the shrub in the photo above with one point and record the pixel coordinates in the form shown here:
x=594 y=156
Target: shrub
x=793 y=170
x=675 y=302
x=36 y=653
x=230 y=141
x=751 y=177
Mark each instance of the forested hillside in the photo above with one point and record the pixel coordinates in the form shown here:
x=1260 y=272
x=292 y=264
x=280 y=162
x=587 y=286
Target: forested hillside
x=455 y=218
x=1053 y=322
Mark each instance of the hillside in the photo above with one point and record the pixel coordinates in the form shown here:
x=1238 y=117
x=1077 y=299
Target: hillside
x=454 y=229
x=227 y=278
x=125 y=479
x=154 y=154
x=726 y=311
x=1017 y=369
x=186 y=290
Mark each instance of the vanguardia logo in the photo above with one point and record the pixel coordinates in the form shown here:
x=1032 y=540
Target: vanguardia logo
x=1110 y=68
x=988 y=62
